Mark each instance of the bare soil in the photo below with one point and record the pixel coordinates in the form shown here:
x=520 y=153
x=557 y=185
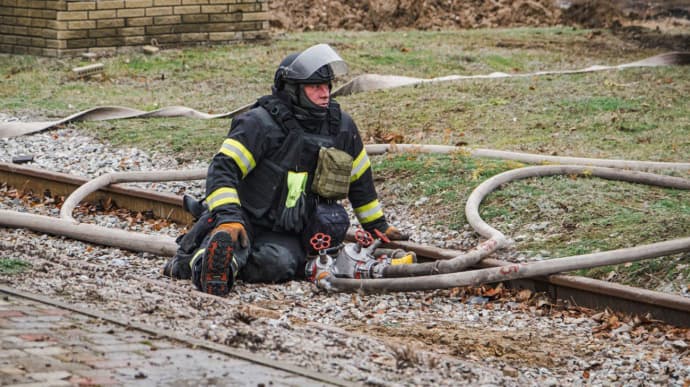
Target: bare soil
x=375 y=15
x=650 y=24
x=400 y=14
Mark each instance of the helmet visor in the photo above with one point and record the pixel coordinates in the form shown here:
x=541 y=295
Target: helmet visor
x=313 y=59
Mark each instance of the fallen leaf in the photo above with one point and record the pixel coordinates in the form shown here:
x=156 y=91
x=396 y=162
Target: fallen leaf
x=523 y=295
x=493 y=292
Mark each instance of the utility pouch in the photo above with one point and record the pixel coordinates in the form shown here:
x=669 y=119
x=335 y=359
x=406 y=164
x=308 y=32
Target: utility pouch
x=332 y=176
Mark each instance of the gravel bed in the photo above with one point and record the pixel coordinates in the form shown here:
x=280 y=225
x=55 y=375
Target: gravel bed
x=445 y=337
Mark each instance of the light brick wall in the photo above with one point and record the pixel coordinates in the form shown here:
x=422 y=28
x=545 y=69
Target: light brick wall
x=69 y=27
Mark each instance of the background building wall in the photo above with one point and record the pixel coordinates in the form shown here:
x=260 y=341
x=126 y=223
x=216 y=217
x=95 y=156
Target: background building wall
x=68 y=27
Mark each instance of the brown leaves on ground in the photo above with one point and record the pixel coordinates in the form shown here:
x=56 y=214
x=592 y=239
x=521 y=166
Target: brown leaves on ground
x=29 y=198
x=610 y=323
x=104 y=206
x=637 y=327
x=388 y=137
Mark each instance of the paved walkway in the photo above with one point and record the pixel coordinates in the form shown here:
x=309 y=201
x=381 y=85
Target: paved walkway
x=43 y=345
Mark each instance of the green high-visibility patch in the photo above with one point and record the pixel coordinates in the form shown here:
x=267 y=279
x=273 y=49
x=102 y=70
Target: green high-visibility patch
x=296 y=183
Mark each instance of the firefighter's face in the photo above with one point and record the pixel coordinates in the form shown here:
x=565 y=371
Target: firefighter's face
x=319 y=94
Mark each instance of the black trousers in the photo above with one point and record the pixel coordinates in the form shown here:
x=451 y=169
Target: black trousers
x=274 y=257
x=271 y=256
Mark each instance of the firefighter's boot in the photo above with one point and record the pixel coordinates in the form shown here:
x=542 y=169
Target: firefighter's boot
x=218 y=265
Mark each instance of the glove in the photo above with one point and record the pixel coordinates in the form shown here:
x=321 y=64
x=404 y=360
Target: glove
x=394 y=234
x=236 y=231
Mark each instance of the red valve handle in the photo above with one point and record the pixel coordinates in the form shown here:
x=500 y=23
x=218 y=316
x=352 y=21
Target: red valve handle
x=382 y=236
x=320 y=241
x=364 y=238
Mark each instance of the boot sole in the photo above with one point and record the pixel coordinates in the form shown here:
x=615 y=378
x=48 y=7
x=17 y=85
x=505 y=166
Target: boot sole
x=215 y=269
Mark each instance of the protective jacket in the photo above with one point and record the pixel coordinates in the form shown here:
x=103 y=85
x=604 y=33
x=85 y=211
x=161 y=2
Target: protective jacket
x=250 y=170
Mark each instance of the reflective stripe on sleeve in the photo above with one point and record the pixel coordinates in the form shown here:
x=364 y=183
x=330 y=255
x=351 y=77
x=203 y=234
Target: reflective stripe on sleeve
x=360 y=165
x=369 y=212
x=222 y=196
x=238 y=152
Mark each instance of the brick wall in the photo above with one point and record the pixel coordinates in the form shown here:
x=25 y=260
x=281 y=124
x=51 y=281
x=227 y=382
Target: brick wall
x=68 y=27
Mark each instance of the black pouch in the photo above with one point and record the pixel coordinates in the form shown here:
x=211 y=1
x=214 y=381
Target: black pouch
x=329 y=218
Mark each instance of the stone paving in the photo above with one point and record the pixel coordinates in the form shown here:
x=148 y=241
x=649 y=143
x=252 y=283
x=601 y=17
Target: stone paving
x=41 y=345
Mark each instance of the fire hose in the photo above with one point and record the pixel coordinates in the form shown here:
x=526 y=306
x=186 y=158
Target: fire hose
x=434 y=275
x=362 y=83
x=449 y=270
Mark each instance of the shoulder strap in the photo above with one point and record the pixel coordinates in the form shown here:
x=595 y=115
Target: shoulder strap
x=275 y=114
x=280 y=113
x=334 y=118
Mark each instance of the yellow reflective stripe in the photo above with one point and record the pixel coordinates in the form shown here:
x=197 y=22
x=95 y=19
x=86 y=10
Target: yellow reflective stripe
x=222 y=196
x=369 y=212
x=238 y=152
x=360 y=165
x=195 y=257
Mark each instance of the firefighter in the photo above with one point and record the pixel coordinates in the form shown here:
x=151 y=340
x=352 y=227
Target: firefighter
x=278 y=179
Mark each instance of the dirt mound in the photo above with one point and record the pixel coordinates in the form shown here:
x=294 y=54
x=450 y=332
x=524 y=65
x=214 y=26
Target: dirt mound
x=592 y=14
x=376 y=15
x=653 y=38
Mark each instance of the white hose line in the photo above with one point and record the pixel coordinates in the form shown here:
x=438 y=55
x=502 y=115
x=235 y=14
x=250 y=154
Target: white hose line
x=362 y=83
x=515 y=271
x=452 y=265
x=124 y=177
x=485 y=188
x=529 y=158
x=497 y=238
x=370 y=82
x=134 y=241
x=104 y=113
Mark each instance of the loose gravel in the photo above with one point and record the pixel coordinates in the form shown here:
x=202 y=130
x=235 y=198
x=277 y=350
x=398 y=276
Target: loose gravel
x=445 y=337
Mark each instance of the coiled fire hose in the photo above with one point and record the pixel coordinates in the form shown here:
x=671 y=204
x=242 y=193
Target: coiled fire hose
x=434 y=275
x=451 y=269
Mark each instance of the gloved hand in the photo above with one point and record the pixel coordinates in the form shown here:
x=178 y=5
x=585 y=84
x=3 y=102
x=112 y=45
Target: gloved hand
x=236 y=231
x=394 y=234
